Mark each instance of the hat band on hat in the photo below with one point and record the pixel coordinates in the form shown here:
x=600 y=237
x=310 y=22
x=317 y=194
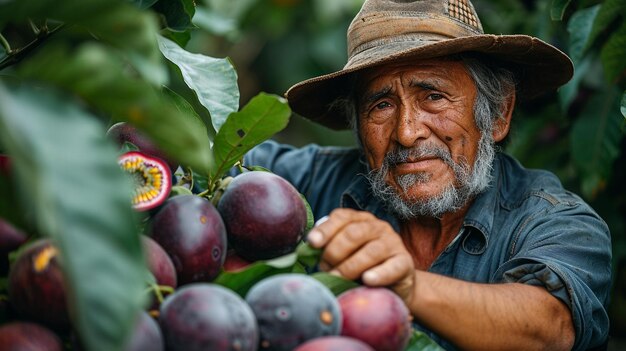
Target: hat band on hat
x=383 y=28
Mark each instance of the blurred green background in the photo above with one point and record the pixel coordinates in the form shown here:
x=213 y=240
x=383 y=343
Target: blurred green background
x=577 y=133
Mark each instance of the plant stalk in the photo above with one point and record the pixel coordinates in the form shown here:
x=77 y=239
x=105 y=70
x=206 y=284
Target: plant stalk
x=5 y=44
x=14 y=56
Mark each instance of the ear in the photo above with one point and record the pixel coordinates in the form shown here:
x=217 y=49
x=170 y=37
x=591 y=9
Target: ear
x=503 y=124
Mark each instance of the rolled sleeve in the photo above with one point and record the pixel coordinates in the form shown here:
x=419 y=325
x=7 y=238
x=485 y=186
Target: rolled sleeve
x=567 y=250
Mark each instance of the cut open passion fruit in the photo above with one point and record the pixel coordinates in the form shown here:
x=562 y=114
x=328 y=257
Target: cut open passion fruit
x=152 y=177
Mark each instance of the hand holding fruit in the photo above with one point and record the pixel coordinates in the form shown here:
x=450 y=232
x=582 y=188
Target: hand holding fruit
x=359 y=245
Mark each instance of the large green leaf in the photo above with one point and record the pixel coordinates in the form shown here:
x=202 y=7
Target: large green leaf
x=177 y=14
x=241 y=281
x=187 y=111
x=613 y=55
x=69 y=179
x=337 y=285
x=611 y=9
x=213 y=80
x=215 y=23
x=595 y=139
x=568 y=92
x=135 y=33
x=116 y=22
x=261 y=118
x=558 y=9
x=97 y=75
x=579 y=28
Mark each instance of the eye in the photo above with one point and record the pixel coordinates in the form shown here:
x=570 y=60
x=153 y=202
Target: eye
x=435 y=96
x=382 y=105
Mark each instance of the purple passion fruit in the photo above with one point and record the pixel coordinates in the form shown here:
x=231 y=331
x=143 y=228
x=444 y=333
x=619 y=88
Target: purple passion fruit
x=26 y=336
x=206 y=316
x=334 y=343
x=376 y=316
x=37 y=285
x=123 y=132
x=146 y=335
x=10 y=239
x=152 y=177
x=192 y=233
x=159 y=262
x=291 y=309
x=234 y=263
x=265 y=216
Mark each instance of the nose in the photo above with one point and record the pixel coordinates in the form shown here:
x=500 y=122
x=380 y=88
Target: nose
x=411 y=126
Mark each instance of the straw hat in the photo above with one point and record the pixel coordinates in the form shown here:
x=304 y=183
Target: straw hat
x=388 y=30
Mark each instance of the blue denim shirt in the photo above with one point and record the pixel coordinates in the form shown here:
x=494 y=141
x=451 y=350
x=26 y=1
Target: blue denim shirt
x=524 y=228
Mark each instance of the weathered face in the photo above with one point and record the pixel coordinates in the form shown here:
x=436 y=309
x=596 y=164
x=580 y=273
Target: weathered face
x=425 y=110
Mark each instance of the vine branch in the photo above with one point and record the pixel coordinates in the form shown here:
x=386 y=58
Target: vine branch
x=15 y=55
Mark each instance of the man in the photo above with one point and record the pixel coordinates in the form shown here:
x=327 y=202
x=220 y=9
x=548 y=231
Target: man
x=486 y=254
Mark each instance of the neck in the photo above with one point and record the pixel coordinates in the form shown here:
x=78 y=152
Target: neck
x=426 y=237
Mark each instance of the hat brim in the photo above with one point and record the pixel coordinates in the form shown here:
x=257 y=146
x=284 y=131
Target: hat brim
x=539 y=68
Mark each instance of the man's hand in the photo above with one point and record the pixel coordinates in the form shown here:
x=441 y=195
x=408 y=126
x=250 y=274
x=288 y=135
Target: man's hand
x=358 y=245
x=470 y=315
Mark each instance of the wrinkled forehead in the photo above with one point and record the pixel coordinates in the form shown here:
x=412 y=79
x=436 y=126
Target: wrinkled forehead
x=447 y=72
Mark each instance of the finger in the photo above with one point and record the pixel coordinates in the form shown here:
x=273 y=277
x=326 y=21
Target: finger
x=350 y=239
x=395 y=270
x=322 y=232
x=367 y=257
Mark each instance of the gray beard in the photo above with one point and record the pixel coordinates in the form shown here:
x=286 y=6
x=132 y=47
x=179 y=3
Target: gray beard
x=468 y=181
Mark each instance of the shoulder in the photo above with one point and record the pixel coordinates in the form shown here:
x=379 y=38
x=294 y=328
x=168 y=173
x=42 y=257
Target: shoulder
x=308 y=164
x=271 y=150
x=517 y=185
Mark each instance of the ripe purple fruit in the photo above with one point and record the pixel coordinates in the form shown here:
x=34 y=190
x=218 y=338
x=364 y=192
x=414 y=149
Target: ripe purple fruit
x=192 y=233
x=26 y=336
x=146 y=335
x=159 y=263
x=291 y=309
x=10 y=239
x=206 y=316
x=265 y=216
x=334 y=343
x=234 y=263
x=37 y=285
x=376 y=316
x=123 y=132
x=152 y=177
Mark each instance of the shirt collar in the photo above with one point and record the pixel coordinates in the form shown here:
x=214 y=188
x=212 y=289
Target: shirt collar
x=481 y=214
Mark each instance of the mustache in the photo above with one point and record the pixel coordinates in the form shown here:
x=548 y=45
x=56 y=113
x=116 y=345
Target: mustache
x=403 y=154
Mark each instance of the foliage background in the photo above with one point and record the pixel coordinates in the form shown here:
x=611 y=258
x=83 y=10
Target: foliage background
x=69 y=69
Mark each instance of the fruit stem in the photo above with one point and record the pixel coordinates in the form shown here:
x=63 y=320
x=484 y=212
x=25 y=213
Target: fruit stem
x=159 y=290
x=240 y=166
